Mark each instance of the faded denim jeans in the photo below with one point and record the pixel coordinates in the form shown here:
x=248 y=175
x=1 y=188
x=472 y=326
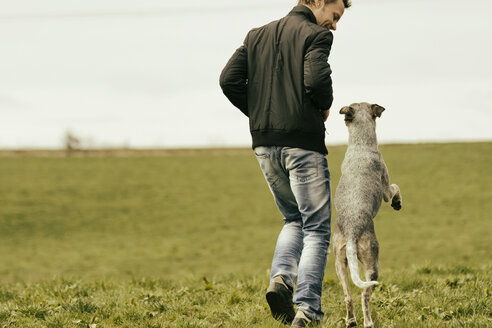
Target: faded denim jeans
x=300 y=183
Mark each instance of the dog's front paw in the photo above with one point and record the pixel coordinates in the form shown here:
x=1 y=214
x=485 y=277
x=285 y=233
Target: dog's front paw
x=396 y=204
x=349 y=323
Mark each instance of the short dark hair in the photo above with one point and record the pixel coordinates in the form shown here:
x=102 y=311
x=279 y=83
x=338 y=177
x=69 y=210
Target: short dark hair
x=346 y=3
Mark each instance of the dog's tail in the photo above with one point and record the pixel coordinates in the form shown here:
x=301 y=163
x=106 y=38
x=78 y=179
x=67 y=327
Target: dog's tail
x=353 y=263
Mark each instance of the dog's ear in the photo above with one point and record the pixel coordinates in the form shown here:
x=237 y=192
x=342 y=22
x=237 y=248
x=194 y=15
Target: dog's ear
x=377 y=110
x=347 y=110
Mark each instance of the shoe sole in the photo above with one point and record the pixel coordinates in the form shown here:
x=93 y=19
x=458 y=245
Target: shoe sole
x=280 y=302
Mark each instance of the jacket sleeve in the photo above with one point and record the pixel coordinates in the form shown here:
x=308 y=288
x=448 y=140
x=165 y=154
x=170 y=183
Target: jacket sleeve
x=234 y=79
x=317 y=71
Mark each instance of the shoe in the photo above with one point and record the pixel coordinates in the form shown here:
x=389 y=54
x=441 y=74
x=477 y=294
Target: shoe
x=302 y=320
x=279 y=298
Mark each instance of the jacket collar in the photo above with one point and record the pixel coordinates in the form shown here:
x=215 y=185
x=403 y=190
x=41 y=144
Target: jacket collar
x=303 y=10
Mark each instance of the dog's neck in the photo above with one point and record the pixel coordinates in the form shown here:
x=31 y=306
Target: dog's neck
x=363 y=136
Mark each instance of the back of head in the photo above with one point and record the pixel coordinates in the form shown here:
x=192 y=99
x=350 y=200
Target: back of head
x=346 y=3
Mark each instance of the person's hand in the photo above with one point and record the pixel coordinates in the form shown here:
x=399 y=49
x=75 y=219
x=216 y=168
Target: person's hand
x=325 y=113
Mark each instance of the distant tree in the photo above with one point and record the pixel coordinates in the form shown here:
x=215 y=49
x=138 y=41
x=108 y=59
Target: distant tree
x=72 y=143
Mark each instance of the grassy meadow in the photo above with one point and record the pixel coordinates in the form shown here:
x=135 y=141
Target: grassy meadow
x=186 y=240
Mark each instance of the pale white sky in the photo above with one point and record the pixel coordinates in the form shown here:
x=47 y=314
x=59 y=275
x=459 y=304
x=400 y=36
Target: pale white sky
x=145 y=73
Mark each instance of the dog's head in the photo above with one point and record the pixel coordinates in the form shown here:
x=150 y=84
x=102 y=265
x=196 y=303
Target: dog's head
x=360 y=113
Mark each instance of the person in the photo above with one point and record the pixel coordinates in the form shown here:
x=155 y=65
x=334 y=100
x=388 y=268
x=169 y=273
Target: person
x=280 y=78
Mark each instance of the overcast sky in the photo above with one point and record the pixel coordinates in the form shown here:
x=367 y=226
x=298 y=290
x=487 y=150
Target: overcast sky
x=145 y=73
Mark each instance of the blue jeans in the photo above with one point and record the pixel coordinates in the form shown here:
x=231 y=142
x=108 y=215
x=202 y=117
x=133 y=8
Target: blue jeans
x=300 y=183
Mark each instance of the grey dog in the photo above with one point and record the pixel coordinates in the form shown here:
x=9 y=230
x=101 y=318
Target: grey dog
x=362 y=187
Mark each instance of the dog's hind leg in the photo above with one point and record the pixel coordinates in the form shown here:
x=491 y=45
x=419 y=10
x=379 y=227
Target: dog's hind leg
x=368 y=254
x=341 y=267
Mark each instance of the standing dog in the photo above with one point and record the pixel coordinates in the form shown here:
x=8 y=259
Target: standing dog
x=364 y=183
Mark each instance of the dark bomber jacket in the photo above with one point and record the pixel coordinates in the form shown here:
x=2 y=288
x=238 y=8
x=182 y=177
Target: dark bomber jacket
x=280 y=79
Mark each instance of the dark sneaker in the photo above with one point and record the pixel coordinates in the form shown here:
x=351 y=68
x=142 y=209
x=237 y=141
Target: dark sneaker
x=279 y=298
x=301 y=320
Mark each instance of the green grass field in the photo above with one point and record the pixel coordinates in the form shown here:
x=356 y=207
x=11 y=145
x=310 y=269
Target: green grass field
x=186 y=240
